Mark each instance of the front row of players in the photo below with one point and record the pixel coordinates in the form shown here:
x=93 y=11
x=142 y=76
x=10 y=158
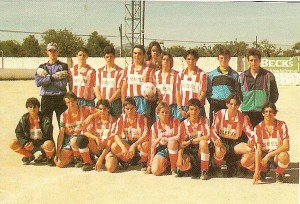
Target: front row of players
x=91 y=137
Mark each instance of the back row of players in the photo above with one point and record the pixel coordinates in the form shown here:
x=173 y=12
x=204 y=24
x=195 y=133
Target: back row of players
x=115 y=130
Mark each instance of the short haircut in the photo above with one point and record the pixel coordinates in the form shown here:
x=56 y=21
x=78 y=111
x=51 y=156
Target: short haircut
x=254 y=52
x=270 y=105
x=104 y=102
x=129 y=101
x=70 y=95
x=223 y=51
x=160 y=106
x=195 y=102
x=83 y=49
x=109 y=50
x=193 y=53
x=140 y=47
x=152 y=44
x=32 y=102
x=164 y=53
x=235 y=97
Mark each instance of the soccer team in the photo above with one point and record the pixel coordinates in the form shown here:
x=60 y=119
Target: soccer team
x=166 y=132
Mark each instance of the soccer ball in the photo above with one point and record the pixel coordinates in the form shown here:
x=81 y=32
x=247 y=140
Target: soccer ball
x=41 y=72
x=148 y=90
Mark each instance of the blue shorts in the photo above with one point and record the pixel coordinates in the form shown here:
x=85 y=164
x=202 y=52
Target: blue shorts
x=142 y=105
x=84 y=102
x=163 y=151
x=116 y=108
x=67 y=142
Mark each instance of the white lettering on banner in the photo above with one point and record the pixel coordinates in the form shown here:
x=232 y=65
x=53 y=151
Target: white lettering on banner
x=270 y=144
x=135 y=79
x=277 y=63
x=165 y=88
x=190 y=86
x=108 y=82
x=79 y=80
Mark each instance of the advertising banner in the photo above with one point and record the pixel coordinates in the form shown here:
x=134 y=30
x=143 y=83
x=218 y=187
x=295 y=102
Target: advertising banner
x=279 y=64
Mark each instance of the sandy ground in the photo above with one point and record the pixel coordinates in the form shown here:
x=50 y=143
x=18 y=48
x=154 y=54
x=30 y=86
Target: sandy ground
x=43 y=184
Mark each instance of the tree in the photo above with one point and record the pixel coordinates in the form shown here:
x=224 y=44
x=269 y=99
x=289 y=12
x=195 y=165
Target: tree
x=96 y=44
x=236 y=48
x=11 y=48
x=67 y=42
x=177 y=51
x=31 y=47
x=267 y=49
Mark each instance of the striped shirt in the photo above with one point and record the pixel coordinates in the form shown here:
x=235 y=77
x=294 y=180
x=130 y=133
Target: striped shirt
x=83 y=82
x=109 y=80
x=135 y=78
x=166 y=86
x=191 y=131
x=74 y=126
x=222 y=128
x=191 y=87
x=271 y=141
x=138 y=128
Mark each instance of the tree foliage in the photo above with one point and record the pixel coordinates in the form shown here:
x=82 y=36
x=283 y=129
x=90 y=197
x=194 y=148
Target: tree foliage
x=177 y=51
x=96 y=44
x=67 y=42
x=31 y=47
x=11 y=48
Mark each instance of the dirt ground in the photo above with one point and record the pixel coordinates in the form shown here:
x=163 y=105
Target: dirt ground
x=43 y=184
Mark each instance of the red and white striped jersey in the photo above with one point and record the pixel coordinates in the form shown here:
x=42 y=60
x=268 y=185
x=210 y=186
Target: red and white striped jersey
x=138 y=128
x=170 y=131
x=83 y=82
x=166 y=86
x=74 y=126
x=221 y=126
x=271 y=141
x=192 y=131
x=135 y=78
x=109 y=80
x=103 y=130
x=191 y=87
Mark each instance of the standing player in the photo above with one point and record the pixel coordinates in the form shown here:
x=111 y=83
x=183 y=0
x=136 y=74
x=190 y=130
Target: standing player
x=165 y=82
x=191 y=83
x=165 y=133
x=221 y=82
x=83 y=79
x=53 y=78
x=134 y=76
x=109 y=82
x=272 y=140
x=131 y=136
x=258 y=87
x=194 y=140
x=226 y=134
x=71 y=142
x=34 y=133
x=101 y=136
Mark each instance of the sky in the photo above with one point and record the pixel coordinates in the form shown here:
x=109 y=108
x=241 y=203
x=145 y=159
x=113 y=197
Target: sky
x=185 y=23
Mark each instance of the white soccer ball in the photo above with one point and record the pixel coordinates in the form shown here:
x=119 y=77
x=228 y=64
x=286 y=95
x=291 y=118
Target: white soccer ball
x=41 y=72
x=148 y=89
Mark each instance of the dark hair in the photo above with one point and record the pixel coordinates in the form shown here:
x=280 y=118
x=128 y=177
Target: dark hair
x=129 y=101
x=32 y=102
x=139 y=47
x=192 y=52
x=270 y=105
x=160 y=106
x=70 y=95
x=109 y=50
x=83 y=49
x=223 y=51
x=235 y=97
x=254 y=52
x=104 y=102
x=164 y=53
x=152 y=44
x=195 y=102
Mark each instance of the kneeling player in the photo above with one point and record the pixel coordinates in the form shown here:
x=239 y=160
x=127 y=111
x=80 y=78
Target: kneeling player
x=131 y=136
x=195 y=136
x=101 y=135
x=272 y=140
x=226 y=133
x=165 y=133
x=34 y=133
